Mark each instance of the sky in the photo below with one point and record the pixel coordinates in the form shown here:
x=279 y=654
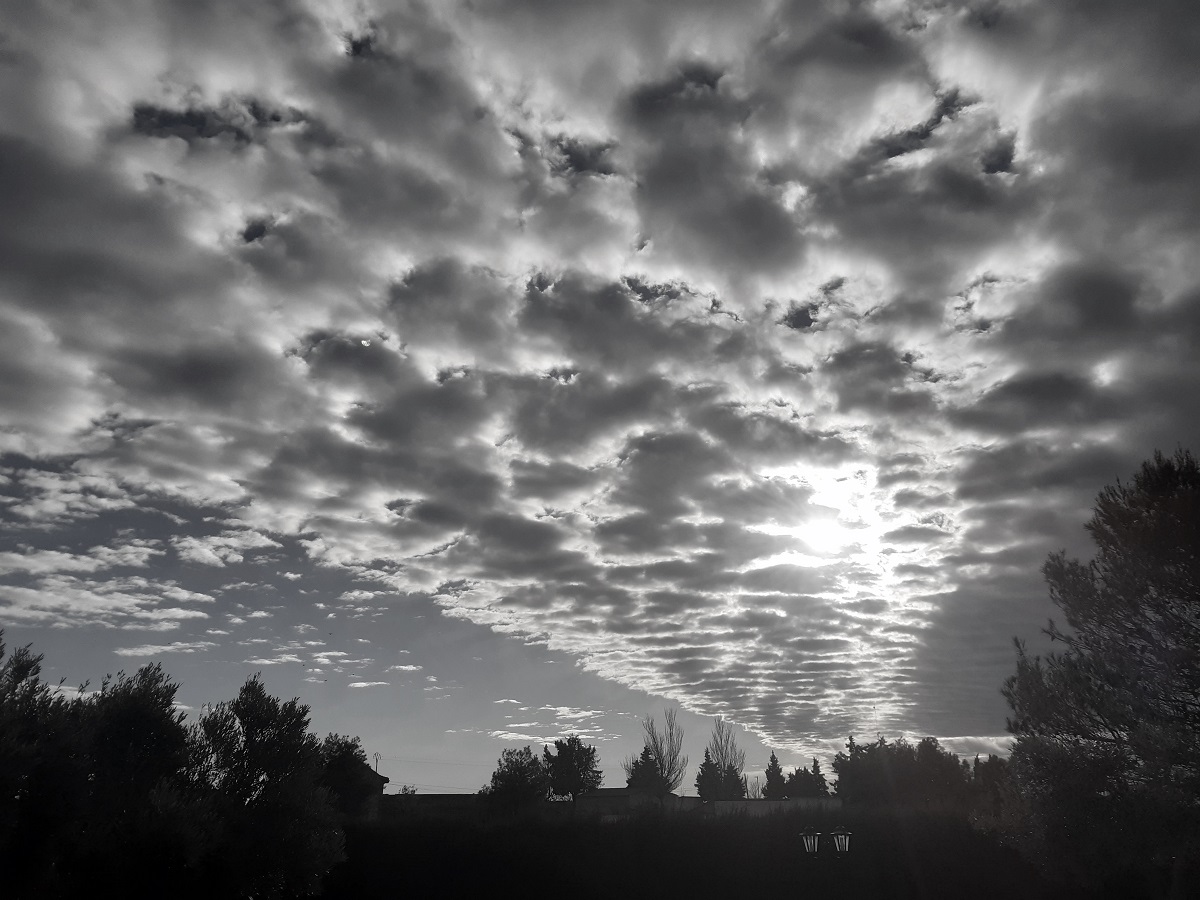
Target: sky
x=484 y=371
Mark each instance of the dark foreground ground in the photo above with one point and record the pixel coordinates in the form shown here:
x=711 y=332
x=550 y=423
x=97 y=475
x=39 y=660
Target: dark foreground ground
x=890 y=857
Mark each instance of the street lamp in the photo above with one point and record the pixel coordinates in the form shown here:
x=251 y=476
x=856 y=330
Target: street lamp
x=841 y=840
x=811 y=840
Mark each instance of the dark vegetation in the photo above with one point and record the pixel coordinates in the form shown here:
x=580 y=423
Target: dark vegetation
x=113 y=790
x=662 y=765
x=1106 y=761
x=1101 y=797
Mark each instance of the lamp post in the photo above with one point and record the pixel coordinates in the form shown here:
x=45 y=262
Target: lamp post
x=812 y=841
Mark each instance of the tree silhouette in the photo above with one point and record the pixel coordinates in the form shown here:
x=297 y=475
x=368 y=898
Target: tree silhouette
x=137 y=826
x=1107 y=749
x=709 y=780
x=807 y=783
x=110 y=791
x=520 y=779
x=776 y=786
x=900 y=774
x=43 y=774
x=733 y=784
x=665 y=749
x=572 y=768
x=729 y=760
x=642 y=773
x=254 y=760
x=347 y=775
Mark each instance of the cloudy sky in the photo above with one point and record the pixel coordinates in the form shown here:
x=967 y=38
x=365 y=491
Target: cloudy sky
x=481 y=371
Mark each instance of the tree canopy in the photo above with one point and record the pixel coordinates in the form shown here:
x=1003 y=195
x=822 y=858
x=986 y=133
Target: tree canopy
x=807 y=783
x=663 y=749
x=901 y=774
x=1107 y=749
x=261 y=769
x=519 y=780
x=708 y=779
x=720 y=775
x=642 y=773
x=112 y=788
x=347 y=775
x=572 y=768
x=776 y=786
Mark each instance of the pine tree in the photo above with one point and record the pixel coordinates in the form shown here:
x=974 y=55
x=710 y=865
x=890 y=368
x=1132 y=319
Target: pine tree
x=1107 y=749
x=733 y=785
x=709 y=779
x=644 y=774
x=776 y=786
x=806 y=783
x=819 y=787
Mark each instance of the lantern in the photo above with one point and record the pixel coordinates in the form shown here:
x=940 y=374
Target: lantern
x=811 y=840
x=841 y=840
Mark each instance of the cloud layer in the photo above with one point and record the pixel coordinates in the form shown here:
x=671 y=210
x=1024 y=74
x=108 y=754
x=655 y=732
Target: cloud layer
x=754 y=357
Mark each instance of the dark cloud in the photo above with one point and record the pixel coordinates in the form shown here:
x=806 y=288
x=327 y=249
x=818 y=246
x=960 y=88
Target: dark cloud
x=188 y=124
x=1090 y=304
x=799 y=317
x=219 y=376
x=553 y=416
x=236 y=118
x=576 y=157
x=699 y=193
x=1034 y=400
x=550 y=481
x=874 y=378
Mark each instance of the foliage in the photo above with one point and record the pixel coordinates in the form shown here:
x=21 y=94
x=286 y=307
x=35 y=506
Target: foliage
x=724 y=749
x=347 y=775
x=92 y=782
x=807 y=783
x=572 y=768
x=255 y=761
x=715 y=783
x=43 y=776
x=709 y=779
x=1107 y=751
x=723 y=780
x=924 y=776
x=775 y=787
x=136 y=747
x=991 y=785
x=733 y=784
x=643 y=774
x=111 y=788
x=664 y=749
x=520 y=779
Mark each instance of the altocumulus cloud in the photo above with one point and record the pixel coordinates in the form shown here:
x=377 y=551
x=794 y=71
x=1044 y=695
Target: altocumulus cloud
x=756 y=363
